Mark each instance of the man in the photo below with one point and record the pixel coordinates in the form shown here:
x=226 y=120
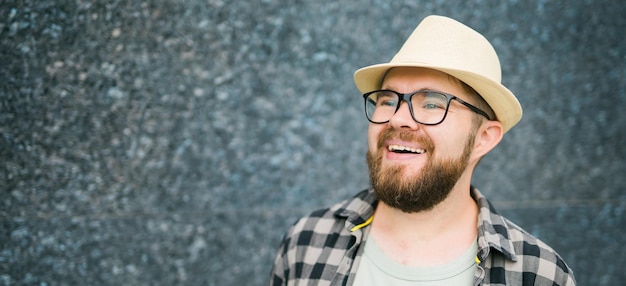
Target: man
x=434 y=111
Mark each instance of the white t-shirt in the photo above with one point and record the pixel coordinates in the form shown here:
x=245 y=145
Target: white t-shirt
x=377 y=269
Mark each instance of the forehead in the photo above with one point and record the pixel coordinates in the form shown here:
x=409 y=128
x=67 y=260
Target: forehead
x=409 y=79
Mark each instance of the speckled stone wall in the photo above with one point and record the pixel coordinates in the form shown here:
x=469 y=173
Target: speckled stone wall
x=173 y=142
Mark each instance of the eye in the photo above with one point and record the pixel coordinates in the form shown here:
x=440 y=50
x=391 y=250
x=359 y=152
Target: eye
x=433 y=105
x=434 y=101
x=430 y=105
x=386 y=100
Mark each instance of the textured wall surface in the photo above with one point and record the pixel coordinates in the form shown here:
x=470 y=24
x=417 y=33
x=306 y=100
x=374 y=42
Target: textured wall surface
x=173 y=142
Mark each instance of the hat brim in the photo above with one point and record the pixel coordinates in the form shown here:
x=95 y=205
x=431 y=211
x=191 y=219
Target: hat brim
x=501 y=100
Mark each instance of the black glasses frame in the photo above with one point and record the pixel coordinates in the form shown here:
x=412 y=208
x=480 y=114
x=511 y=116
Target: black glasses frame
x=407 y=97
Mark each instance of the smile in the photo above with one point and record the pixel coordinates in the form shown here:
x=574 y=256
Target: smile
x=405 y=150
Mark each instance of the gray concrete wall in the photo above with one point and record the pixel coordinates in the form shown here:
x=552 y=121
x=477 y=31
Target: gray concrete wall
x=173 y=142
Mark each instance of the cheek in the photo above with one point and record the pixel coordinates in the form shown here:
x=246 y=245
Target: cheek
x=373 y=131
x=450 y=142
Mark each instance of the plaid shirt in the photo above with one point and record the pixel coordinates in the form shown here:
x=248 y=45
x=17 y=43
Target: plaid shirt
x=324 y=248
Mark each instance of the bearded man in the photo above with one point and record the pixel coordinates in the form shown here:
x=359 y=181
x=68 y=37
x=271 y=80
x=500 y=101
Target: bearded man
x=434 y=110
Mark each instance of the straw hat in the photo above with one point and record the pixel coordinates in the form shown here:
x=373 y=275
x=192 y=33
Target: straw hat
x=446 y=45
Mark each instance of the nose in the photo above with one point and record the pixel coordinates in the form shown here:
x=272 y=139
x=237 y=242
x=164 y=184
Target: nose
x=402 y=119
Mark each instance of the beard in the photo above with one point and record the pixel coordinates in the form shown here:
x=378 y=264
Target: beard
x=422 y=191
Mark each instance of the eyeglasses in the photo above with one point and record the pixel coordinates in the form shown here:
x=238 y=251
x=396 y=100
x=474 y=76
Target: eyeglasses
x=428 y=107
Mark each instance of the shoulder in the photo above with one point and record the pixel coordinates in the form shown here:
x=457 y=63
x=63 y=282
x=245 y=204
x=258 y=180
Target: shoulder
x=532 y=260
x=335 y=218
x=315 y=244
x=510 y=254
x=537 y=255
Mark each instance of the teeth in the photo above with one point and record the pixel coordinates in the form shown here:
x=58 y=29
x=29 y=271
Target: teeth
x=399 y=148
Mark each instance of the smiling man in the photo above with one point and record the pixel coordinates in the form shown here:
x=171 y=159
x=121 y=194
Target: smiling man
x=434 y=110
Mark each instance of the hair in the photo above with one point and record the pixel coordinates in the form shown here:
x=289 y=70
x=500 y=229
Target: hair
x=479 y=102
x=477 y=119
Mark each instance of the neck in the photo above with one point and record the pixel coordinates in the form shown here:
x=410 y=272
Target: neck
x=429 y=237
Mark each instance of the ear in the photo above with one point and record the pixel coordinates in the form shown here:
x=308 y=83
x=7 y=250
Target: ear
x=488 y=136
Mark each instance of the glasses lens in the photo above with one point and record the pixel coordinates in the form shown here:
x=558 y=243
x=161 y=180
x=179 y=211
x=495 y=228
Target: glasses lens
x=380 y=106
x=429 y=107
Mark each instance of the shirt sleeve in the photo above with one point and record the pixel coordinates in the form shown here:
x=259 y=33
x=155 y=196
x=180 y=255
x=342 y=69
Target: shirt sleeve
x=280 y=269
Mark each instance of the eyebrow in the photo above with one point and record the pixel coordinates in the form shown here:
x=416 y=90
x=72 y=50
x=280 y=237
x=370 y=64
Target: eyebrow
x=421 y=89
x=387 y=87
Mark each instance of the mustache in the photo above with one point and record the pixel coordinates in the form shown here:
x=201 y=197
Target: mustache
x=404 y=135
